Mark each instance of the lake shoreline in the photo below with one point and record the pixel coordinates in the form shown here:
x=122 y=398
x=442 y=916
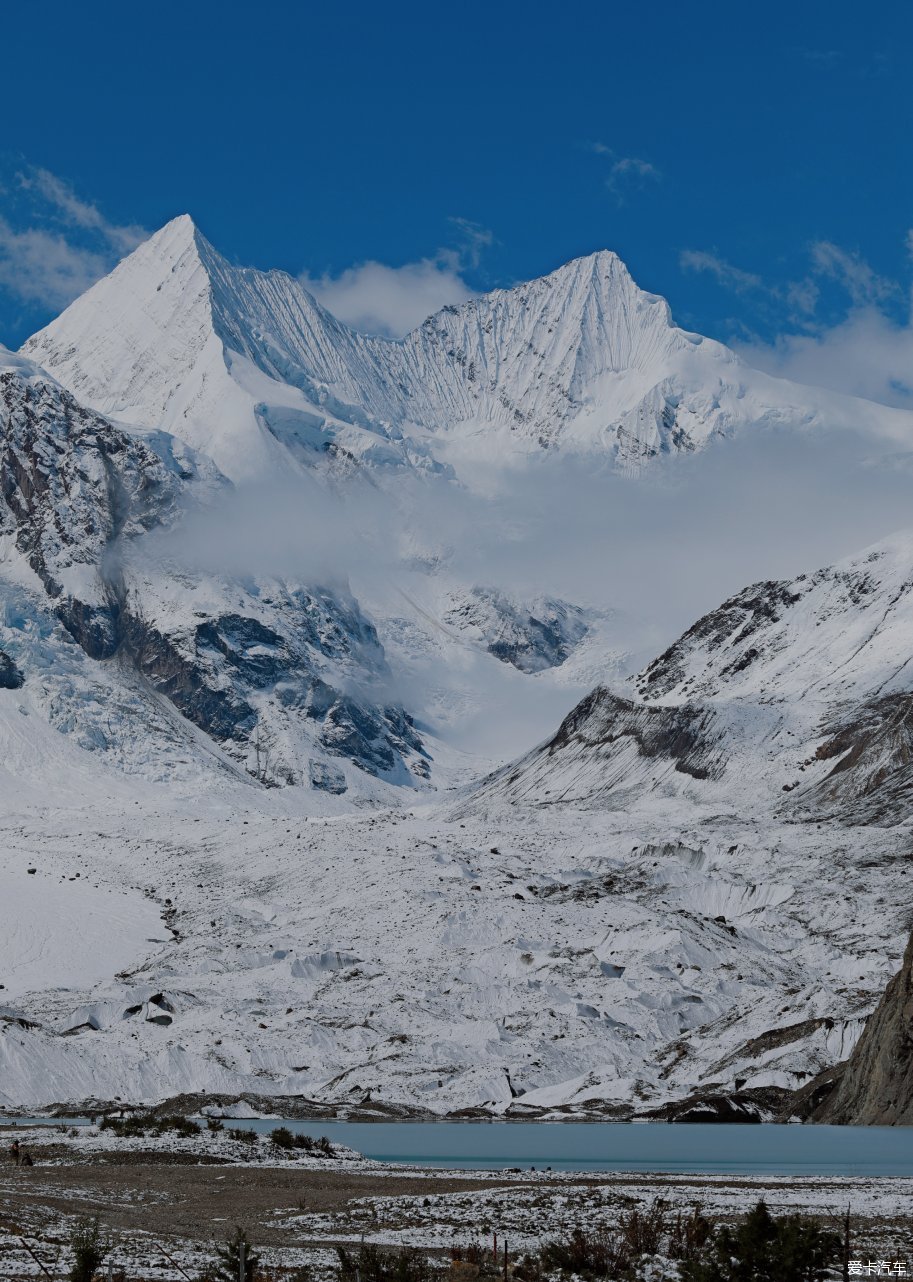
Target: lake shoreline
x=182 y=1195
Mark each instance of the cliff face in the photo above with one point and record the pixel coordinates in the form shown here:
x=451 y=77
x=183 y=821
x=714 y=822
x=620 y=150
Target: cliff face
x=875 y=1087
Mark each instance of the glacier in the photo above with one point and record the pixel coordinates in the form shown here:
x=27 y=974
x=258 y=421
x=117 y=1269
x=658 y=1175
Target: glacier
x=297 y=780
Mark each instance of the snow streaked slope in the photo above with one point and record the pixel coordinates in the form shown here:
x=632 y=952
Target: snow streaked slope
x=248 y=367
x=244 y=365
x=795 y=696
x=270 y=668
x=669 y=928
x=289 y=680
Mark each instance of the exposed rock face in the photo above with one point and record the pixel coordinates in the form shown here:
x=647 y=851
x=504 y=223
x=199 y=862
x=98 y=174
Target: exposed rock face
x=72 y=486
x=791 y=698
x=531 y=636
x=676 y=735
x=11 y=677
x=269 y=669
x=872 y=751
x=609 y=747
x=875 y=1086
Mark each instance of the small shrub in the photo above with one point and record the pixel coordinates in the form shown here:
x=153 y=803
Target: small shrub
x=227 y=1264
x=184 y=1127
x=246 y=1137
x=125 y=1128
x=475 y=1260
x=375 y=1264
x=528 y=1269
x=587 y=1252
x=688 y=1235
x=788 y=1249
x=89 y=1249
x=214 y=1124
x=642 y=1231
x=285 y=1139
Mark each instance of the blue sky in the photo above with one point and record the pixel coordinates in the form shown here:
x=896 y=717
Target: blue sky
x=752 y=163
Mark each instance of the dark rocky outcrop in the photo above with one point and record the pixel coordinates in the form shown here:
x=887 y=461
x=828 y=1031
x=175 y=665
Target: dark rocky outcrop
x=681 y=735
x=78 y=494
x=733 y=623
x=874 y=1087
x=531 y=637
x=872 y=778
x=11 y=676
x=72 y=485
x=171 y=669
x=757 y=1104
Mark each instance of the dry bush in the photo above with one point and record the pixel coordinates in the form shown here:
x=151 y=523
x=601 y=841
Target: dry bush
x=587 y=1252
x=689 y=1234
x=643 y=1230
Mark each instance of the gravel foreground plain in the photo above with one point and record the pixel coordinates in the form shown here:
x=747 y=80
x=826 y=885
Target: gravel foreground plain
x=166 y=1203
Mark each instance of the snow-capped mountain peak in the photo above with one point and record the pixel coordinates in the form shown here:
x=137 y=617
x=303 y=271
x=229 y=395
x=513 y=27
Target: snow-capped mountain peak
x=242 y=364
x=247 y=366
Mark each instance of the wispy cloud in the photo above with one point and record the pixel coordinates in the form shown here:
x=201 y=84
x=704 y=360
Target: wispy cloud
x=850 y=270
x=824 y=57
x=54 y=244
x=862 y=344
x=379 y=299
x=61 y=197
x=42 y=267
x=631 y=170
x=474 y=240
x=700 y=260
x=626 y=174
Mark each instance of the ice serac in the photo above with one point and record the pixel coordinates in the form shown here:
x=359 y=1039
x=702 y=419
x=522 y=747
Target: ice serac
x=792 y=697
x=278 y=673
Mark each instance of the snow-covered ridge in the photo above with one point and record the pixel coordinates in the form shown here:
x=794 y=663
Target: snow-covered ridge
x=795 y=696
x=247 y=366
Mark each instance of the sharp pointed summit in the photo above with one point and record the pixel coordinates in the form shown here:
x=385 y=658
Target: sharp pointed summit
x=243 y=365
x=248 y=367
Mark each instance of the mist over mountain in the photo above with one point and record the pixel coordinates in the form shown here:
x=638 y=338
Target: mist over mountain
x=518 y=833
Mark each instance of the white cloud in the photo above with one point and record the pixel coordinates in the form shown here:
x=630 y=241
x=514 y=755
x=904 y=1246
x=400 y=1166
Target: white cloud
x=867 y=354
x=379 y=299
x=699 y=260
x=39 y=266
x=53 y=244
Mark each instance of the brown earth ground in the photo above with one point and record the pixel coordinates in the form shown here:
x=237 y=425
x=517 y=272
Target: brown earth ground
x=168 y=1209
x=173 y=1196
